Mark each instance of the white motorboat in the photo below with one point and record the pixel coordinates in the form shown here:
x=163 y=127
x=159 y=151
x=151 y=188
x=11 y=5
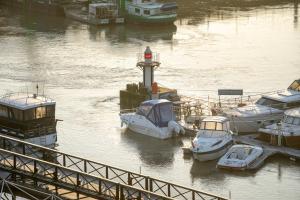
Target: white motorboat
x=240 y=157
x=154 y=118
x=267 y=110
x=213 y=139
x=29 y=117
x=286 y=133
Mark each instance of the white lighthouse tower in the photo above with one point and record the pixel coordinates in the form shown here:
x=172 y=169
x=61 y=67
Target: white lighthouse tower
x=148 y=65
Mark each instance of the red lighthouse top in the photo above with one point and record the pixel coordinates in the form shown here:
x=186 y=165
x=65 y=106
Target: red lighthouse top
x=148 y=54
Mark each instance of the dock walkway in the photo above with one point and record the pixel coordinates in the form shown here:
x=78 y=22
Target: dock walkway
x=269 y=150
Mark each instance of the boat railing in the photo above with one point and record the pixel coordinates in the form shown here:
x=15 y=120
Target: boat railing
x=28 y=133
x=5 y=98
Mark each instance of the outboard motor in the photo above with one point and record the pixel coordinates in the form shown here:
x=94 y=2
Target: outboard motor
x=175 y=127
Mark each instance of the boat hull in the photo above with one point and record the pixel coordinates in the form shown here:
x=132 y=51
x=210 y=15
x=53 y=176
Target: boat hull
x=151 y=19
x=212 y=155
x=243 y=125
x=288 y=141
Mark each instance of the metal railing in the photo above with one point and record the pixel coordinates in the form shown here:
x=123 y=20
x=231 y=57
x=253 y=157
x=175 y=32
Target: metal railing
x=32 y=171
x=111 y=173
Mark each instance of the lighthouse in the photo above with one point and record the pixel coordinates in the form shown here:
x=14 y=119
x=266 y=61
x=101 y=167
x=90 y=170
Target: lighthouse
x=148 y=64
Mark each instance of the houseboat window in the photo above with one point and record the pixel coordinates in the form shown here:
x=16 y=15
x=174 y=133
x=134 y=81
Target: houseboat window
x=40 y=112
x=219 y=127
x=288 y=120
x=295 y=85
x=16 y=114
x=147 y=12
x=3 y=111
x=29 y=114
x=296 y=121
x=270 y=102
x=50 y=111
x=293 y=104
x=137 y=10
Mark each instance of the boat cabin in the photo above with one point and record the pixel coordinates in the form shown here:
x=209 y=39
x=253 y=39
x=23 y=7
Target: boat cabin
x=159 y=111
x=287 y=99
x=27 y=116
x=215 y=123
x=149 y=7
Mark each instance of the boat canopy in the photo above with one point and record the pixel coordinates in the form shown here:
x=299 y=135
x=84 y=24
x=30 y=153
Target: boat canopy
x=215 y=123
x=159 y=112
x=295 y=85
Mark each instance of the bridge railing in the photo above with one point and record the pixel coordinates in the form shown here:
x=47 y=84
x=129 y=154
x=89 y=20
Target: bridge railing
x=34 y=171
x=122 y=176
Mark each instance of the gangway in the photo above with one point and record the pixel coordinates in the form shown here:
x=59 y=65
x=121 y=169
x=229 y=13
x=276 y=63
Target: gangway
x=59 y=171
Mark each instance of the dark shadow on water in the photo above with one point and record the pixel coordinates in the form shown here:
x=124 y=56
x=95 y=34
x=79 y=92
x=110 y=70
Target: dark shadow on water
x=35 y=22
x=129 y=32
x=152 y=151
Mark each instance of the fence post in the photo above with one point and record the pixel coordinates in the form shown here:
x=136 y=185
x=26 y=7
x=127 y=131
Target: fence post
x=146 y=182
x=106 y=172
x=117 y=191
x=169 y=190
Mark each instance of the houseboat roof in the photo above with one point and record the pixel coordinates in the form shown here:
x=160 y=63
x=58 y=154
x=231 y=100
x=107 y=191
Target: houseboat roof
x=293 y=112
x=285 y=96
x=155 y=102
x=220 y=119
x=25 y=101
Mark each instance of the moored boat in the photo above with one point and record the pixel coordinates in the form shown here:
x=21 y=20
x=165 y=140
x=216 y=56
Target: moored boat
x=240 y=157
x=285 y=133
x=213 y=139
x=29 y=117
x=149 y=11
x=154 y=118
x=267 y=110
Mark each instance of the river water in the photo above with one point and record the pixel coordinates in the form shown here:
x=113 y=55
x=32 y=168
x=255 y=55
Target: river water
x=255 y=47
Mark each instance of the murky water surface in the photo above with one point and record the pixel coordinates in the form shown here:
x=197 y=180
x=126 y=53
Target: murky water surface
x=255 y=48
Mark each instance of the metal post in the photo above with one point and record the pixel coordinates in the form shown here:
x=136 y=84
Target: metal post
x=117 y=192
x=151 y=184
x=129 y=179
x=106 y=172
x=169 y=190
x=85 y=166
x=64 y=160
x=146 y=183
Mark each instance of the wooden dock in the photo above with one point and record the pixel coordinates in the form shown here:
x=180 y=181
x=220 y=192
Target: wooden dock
x=269 y=150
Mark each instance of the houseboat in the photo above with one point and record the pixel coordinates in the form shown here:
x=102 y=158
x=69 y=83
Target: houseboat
x=149 y=11
x=29 y=117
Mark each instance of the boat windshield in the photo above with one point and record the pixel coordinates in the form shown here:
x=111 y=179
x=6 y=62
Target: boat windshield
x=161 y=114
x=215 y=126
x=291 y=120
x=295 y=86
x=270 y=103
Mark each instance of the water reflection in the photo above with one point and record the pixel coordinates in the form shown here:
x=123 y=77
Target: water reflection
x=124 y=33
x=152 y=151
x=296 y=13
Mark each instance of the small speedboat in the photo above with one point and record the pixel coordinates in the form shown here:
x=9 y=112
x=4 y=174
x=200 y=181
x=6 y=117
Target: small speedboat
x=286 y=133
x=154 y=118
x=240 y=157
x=213 y=139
